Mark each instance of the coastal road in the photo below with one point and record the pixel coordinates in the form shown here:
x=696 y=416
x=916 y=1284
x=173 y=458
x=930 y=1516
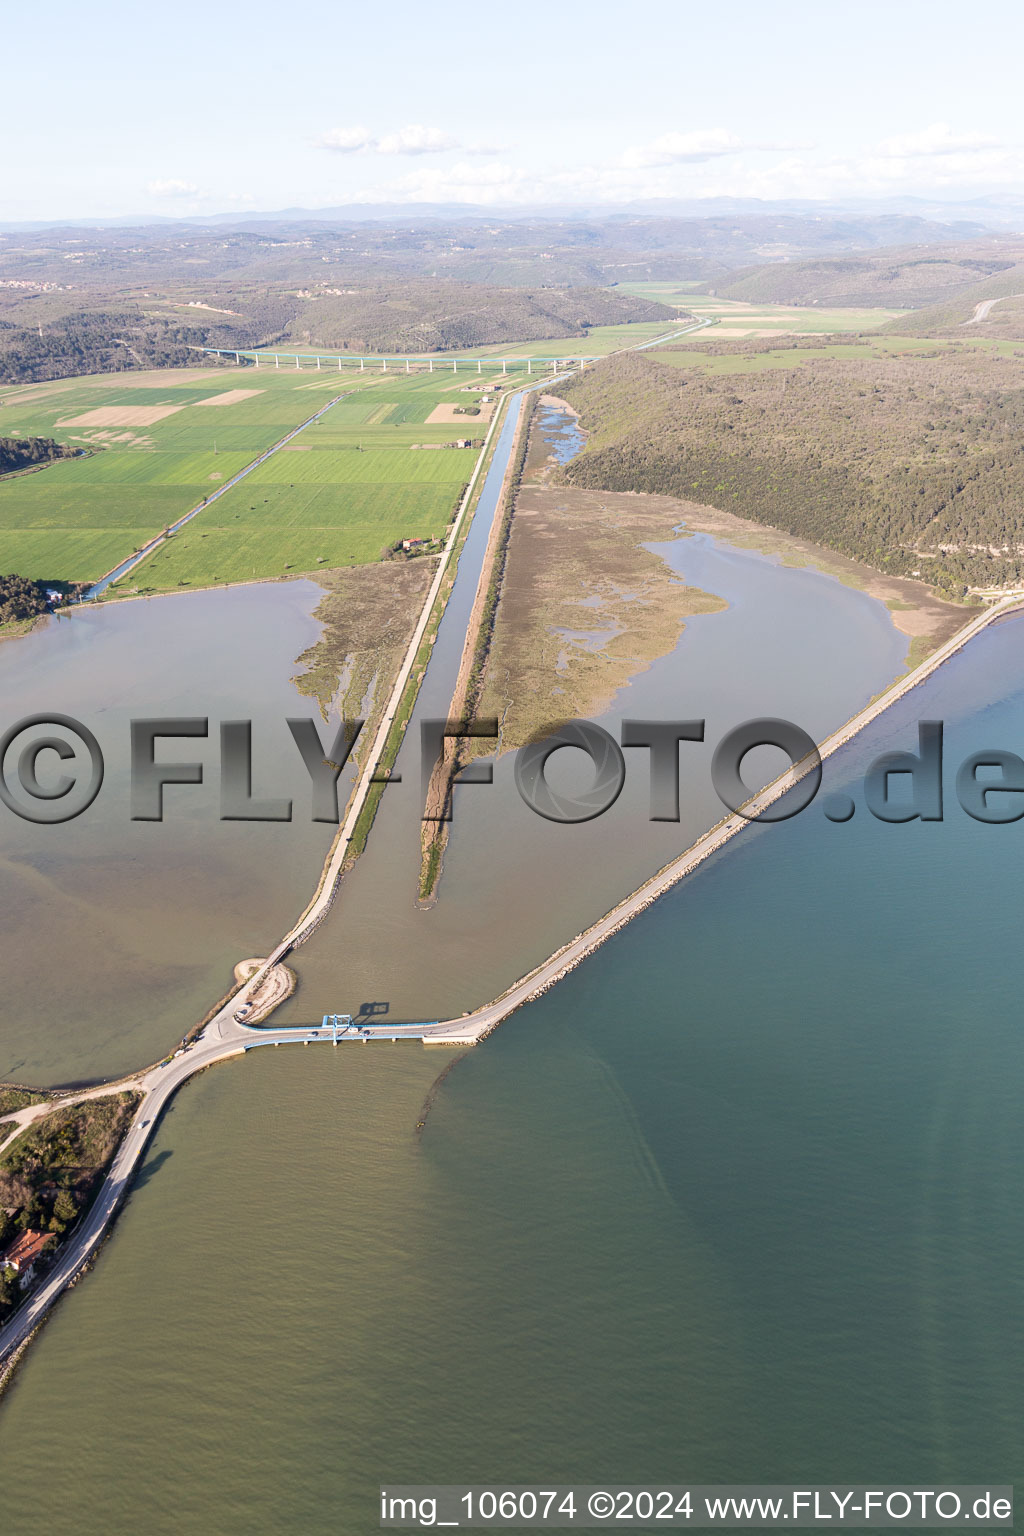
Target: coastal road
x=474 y=1026
x=220 y=1039
x=224 y=1037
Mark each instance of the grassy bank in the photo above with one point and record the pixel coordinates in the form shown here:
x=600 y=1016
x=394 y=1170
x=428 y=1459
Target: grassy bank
x=475 y=653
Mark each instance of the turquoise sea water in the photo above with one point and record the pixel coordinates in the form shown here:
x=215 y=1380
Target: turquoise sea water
x=739 y=1200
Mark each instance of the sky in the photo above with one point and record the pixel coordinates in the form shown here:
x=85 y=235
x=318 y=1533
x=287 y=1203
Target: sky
x=120 y=109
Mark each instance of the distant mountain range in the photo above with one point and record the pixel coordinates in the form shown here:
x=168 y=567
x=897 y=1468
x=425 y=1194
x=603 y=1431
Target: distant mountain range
x=971 y=216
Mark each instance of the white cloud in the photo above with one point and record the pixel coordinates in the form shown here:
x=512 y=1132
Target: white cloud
x=416 y=139
x=694 y=148
x=964 y=174
x=682 y=149
x=413 y=139
x=459 y=183
x=936 y=139
x=172 y=188
x=714 y=162
x=346 y=141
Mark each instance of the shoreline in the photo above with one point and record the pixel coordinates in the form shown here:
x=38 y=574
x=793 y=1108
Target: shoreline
x=219 y=1036
x=477 y=1024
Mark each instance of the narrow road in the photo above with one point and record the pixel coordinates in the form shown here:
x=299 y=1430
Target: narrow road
x=474 y=1026
x=221 y=1038
x=981 y=311
x=154 y=543
x=224 y=1037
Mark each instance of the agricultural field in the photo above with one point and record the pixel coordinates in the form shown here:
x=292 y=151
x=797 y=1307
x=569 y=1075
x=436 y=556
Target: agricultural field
x=156 y=445
x=599 y=341
x=735 y=318
x=757 y=358
x=370 y=472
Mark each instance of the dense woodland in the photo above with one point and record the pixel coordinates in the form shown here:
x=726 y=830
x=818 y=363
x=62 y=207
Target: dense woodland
x=435 y=317
x=911 y=463
x=100 y=342
x=899 y=279
x=26 y=452
x=21 y=599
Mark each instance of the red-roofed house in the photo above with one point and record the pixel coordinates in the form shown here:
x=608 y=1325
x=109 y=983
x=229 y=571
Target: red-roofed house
x=21 y=1256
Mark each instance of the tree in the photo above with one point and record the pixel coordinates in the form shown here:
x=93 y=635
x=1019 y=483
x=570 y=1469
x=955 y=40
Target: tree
x=65 y=1208
x=24 y=452
x=20 y=598
x=8 y=1287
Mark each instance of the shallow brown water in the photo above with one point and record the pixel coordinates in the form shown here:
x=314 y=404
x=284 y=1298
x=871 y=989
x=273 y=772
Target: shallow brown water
x=116 y=936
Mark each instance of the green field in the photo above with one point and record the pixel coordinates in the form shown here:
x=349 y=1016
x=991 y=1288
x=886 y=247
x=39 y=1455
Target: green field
x=351 y=485
x=598 y=342
x=796 y=357
x=733 y=318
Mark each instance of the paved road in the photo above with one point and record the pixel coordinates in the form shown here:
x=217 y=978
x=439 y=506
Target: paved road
x=661 y=341
x=223 y=1037
x=147 y=549
x=473 y=1026
x=981 y=311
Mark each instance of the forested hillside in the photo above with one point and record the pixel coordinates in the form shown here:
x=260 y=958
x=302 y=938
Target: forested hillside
x=960 y=314
x=432 y=317
x=91 y=300
x=914 y=463
x=72 y=335
x=101 y=342
x=892 y=279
